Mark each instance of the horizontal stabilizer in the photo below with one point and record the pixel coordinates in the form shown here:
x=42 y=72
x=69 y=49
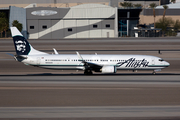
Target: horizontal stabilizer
x=21 y=56
x=10 y=54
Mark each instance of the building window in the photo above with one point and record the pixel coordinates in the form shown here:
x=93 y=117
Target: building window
x=31 y=27
x=122 y=27
x=69 y=29
x=95 y=26
x=107 y=25
x=44 y=26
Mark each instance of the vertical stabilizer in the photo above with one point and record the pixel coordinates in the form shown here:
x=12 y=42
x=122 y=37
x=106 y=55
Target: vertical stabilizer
x=21 y=45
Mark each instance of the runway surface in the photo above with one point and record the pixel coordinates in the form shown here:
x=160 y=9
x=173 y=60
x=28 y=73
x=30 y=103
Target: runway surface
x=92 y=112
x=70 y=95
x=99 y=44
x=99 y=96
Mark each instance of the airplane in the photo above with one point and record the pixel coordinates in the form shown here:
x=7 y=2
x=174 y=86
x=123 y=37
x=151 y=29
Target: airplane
x=89 y=63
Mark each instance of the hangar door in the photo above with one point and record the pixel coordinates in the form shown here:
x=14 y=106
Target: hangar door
x=32 y=29
x=82 y=28
x=69 y=28
x=57 y=29
x=44 y=29
x=95 y=28
x=108 y=28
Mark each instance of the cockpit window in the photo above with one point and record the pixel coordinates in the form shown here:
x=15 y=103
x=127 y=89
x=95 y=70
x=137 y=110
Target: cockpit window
x=161 y=60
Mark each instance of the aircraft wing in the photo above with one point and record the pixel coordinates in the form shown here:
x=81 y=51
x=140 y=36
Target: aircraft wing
x=91 y=65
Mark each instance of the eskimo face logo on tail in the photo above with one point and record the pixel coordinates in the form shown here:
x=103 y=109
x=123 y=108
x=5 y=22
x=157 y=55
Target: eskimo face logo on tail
x=21 y=46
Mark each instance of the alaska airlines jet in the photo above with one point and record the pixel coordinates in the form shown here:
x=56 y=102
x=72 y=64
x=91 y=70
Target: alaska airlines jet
x=98 y=63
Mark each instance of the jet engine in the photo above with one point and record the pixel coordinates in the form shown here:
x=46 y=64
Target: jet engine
x=108 y=69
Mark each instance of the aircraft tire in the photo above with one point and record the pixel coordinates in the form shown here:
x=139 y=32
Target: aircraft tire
x=88 y=72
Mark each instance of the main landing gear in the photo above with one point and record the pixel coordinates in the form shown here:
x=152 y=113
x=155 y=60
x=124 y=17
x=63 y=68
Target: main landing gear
x=88 y=72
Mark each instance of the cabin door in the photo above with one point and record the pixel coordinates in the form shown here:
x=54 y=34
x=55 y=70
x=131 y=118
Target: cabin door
x=153 y=61
x=38 y=60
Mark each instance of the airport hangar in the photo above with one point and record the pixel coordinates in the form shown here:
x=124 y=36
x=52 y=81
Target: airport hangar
x=81 y=21
x=122 y=20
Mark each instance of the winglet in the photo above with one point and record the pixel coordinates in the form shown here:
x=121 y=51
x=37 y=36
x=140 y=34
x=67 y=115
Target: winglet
x=55 y=51
x=79 y=56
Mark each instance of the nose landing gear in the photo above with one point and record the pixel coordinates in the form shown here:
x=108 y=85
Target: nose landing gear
x=154 y=71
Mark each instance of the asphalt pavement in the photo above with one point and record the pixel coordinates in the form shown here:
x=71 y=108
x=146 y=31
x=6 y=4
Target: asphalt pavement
x=34 y=93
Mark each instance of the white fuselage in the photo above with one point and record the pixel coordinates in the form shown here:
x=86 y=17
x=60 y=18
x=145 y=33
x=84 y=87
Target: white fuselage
x=72 y=62
x=99 y=63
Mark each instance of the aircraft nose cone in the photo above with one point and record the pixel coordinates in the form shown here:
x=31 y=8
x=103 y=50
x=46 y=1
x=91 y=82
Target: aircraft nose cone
x=167 y=64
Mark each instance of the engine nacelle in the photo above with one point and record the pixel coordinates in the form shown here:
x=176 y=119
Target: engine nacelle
x=108 y=69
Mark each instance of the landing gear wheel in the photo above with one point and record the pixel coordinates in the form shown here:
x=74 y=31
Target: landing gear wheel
x=88 y=72
x=154 y=73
